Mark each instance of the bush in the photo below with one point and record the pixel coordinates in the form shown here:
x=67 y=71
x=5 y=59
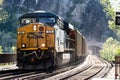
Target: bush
x=1 y=50
x=118 y=51
x=110 y=48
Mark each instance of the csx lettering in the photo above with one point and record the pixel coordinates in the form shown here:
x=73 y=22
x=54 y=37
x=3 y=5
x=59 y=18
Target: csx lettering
x=34 y=35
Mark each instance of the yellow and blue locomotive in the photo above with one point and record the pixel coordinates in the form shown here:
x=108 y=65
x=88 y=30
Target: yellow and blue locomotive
x=43 y=40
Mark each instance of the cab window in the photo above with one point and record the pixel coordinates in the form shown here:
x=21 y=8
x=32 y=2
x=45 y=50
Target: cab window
x=47 y=20
x=25 y=21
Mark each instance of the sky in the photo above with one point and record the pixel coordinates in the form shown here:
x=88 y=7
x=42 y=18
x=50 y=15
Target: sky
x=115 y=4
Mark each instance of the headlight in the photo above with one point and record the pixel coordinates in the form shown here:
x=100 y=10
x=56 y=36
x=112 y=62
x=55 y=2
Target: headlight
x=43 y=45
x=21 y=32
x=34 y=27
x=23 y=45
x=49 y=31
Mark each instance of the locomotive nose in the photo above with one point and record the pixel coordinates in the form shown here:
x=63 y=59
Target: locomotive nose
x=36 y=36
x=39 y=36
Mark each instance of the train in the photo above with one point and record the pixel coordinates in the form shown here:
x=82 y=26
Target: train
x=44 y=40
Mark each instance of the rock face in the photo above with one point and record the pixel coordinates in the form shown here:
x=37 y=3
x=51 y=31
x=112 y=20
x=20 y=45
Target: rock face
x=86 y=15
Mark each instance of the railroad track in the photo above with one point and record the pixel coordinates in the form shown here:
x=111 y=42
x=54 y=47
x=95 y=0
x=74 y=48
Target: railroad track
x=30 y=74
x=95 y=67
x=84 y=66
x=34 y=74
x=106 y=67
x=92 y=67
x=13 y=74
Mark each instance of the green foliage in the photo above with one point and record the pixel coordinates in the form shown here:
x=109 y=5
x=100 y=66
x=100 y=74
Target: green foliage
x=110 y=14
x=107 y=8
x=13 y=49
x=1 y=50
x=8 y=27
x=111 y=24
x=7 y=40
x=1 y=1
x=118 y=51
x=110 y=49
x=3 y=16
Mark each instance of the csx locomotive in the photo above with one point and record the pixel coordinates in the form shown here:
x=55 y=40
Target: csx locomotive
x=44 y=40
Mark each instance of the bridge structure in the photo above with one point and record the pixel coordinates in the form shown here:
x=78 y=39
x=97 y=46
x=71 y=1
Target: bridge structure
x=94 y=47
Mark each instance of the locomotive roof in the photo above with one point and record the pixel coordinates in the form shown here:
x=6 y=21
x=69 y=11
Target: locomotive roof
x=38 y=14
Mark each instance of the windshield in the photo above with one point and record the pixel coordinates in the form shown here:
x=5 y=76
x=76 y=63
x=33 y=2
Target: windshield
x=47 y=20
x=25 y=21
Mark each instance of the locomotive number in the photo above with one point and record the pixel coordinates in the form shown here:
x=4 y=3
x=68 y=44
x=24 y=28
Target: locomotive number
x=33 y=35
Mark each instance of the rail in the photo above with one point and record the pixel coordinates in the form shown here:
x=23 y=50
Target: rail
x=65 y=75
x=95 y=67
x=18 y=74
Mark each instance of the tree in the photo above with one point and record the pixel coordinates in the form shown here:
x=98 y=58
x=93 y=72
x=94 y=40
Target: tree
x=1 y=1
x=110 y=49
x=118 y=51
x=110 y=14
x=3 y=16
x=108 y=8
x=7 y=40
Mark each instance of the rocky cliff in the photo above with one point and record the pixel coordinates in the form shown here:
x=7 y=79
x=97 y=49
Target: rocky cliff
x=85 y=15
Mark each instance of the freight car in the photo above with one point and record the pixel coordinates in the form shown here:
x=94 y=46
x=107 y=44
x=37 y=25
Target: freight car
x=43 y=41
